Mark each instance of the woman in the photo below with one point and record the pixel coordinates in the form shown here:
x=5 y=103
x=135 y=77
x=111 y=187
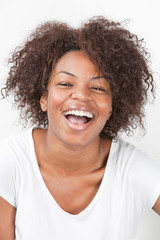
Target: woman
x=70 y=176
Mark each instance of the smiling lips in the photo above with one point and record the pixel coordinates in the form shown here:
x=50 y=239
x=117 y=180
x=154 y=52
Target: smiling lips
x=78 y=120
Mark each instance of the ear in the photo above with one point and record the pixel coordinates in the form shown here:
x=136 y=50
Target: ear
x=43 y=102
x=109 y=114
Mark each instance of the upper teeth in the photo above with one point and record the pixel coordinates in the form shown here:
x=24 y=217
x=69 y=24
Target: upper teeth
x=79 y=113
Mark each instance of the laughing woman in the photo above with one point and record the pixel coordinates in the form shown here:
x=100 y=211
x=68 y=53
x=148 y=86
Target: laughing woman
x=70 y=177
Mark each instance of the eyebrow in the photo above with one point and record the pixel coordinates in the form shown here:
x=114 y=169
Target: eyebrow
x=68 y=73
x=97 y=77
x=72 y=75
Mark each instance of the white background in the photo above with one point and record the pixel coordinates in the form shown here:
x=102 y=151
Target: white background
x=18 y=18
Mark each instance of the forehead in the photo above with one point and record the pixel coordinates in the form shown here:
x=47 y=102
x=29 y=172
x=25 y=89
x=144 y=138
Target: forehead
x=76 y=62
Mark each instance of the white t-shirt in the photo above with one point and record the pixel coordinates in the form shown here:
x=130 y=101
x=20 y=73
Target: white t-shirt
x=130 y=186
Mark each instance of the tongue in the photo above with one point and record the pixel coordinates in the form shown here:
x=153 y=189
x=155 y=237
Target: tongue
x=77 y=119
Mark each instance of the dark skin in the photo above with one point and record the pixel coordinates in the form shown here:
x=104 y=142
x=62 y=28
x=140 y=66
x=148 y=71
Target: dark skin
x=73 y=169
x=72 y=189
x=7 y=220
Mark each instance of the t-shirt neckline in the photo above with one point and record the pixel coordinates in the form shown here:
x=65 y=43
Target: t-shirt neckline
x=49 y=195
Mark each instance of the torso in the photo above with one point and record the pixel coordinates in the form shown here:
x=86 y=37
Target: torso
x=72 y=193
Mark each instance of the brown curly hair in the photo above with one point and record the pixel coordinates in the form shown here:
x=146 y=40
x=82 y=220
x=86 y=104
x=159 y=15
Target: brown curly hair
x=119 y=54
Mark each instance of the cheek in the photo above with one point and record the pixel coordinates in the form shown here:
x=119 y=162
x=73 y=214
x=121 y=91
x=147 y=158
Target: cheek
x=56 y=98
x=105 y=107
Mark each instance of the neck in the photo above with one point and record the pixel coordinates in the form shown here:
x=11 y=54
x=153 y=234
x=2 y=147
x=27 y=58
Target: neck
x=69 y=159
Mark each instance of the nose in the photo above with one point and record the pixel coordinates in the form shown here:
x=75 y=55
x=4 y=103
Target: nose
x=81 y=94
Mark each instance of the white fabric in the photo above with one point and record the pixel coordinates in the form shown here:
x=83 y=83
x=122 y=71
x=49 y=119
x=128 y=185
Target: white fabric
x=130 y=186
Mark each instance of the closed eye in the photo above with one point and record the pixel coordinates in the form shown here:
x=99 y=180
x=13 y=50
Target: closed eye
x=65 y=84
x=99 y=89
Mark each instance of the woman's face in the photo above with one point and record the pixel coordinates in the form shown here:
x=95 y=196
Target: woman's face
x=79 y=100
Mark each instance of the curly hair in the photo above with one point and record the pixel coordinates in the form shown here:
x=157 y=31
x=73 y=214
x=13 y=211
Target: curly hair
x=119 y=54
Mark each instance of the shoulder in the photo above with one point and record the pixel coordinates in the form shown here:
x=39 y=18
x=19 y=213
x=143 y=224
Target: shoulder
x=129 y=152
x=125 y=154
x=140 y=161
x=14 y=159
x=11 y=147
x=139 y=172
x=134 y=163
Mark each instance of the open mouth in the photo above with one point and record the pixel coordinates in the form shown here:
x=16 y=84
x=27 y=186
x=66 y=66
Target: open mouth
x=78 y=120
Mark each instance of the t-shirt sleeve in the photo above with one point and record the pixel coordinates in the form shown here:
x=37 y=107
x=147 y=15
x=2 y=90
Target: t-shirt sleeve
x=145 y=173
x=7 y=174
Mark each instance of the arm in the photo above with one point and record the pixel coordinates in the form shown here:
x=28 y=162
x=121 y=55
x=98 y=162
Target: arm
x=7 y=220
x=156 y=206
